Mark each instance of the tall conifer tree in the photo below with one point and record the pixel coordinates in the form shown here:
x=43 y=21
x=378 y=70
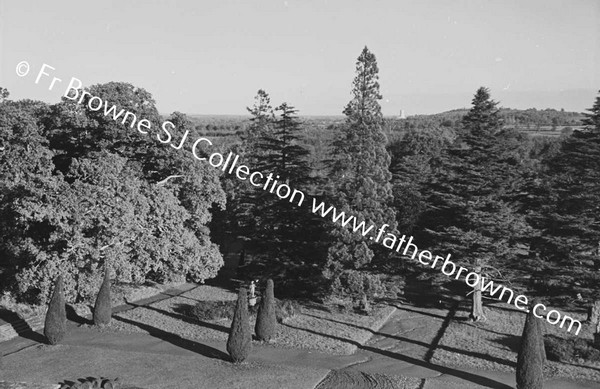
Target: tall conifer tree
x=472 y=198
x=282 y=232
x=360 y=179
x=569 y=216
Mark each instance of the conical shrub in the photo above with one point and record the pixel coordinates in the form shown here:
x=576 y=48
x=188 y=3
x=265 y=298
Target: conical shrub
x=239 y=342
x=55 y=325
x=542 y=346
x=266 y=320
x=103 y=306
x=530 y=362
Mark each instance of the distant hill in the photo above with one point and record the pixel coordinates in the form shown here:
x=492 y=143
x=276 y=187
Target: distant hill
x=549 y=122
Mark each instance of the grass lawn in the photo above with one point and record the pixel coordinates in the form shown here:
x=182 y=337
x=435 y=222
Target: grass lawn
x=314 y=328
x=54 y=364
x=493 y=344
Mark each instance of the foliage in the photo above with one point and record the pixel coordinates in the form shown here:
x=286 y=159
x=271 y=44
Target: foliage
x=266 y=320
x=358 y=284
x=92 y=383
x=414 y=157
x=81 y=189
x=103 y=305
x=239 y=342
x=570 y=350
x=4 y=93
x=213 y=310
x=360 y=176
x=286 y=309
x=565 y=208
x=472 y=207
x=55 y=325
x=530 y=361
x=280 y=234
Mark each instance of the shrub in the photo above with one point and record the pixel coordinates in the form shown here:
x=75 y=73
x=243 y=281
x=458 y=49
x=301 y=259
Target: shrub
x=266 y=320
x=570 y=350
x=355 y=283
x=239 y=342
x=93 y=383
x=213 y=310
x=286 y=309
x=530 y=362
x=103 y=306
x=55 y=325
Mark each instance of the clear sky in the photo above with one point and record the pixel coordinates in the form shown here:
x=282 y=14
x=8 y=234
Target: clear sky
x=210 y=57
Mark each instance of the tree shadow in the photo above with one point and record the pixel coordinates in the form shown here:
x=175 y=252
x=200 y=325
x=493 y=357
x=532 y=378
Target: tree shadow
x=76 y=318
x=21 y=327
x=184 y=318
x=441 y=331
x=178 y=341
x=431 y=347
x=403 y=308
x=480 y=380
x=511 y=342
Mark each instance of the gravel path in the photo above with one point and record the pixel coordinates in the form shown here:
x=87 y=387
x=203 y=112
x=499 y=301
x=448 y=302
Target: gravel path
x=351 y=379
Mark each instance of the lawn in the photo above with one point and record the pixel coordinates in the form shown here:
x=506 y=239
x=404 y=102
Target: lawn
x=315 y=328
x=493 y=344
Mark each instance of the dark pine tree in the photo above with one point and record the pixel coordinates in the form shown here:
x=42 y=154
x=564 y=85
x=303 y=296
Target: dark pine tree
x=472 y=207
x=239 y=342
x=103 y=305
x=569 y=216
x=530 y=361
x=266 y=319
x=279 y=227
x=242 y=197
x=360 y=183
x=55 y=326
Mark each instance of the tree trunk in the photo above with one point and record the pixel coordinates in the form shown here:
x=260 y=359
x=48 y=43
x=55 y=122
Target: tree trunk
x=477 y=304
x=594 y=313
x=594 y=319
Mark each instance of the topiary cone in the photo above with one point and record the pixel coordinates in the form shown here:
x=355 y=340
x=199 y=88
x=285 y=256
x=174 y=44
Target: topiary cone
x=55 y=325
x=239 y=342
x=103 y=306
x=530 y=362
x=266 y=319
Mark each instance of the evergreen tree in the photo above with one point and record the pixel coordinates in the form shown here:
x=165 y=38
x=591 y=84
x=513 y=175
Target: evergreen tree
x=239 y=342
x=283 y=229
x=413 y=158
x=530 y=360
x=568 y=213
x=360 y=179
x=103 y=305
x=242 y=201
x=278 y=227
x=472 y=203
x=55 y=326
x=266 y=319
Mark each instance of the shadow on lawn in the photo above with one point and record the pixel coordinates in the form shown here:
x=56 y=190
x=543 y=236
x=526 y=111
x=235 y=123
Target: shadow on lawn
x=431 y=347
x=75 y=318
x=178 y=341
x=184 y=318
x=480 y=380
x=511 y=342
x=21 y=327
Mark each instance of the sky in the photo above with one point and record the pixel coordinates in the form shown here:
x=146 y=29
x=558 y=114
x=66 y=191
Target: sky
x=211 y=57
